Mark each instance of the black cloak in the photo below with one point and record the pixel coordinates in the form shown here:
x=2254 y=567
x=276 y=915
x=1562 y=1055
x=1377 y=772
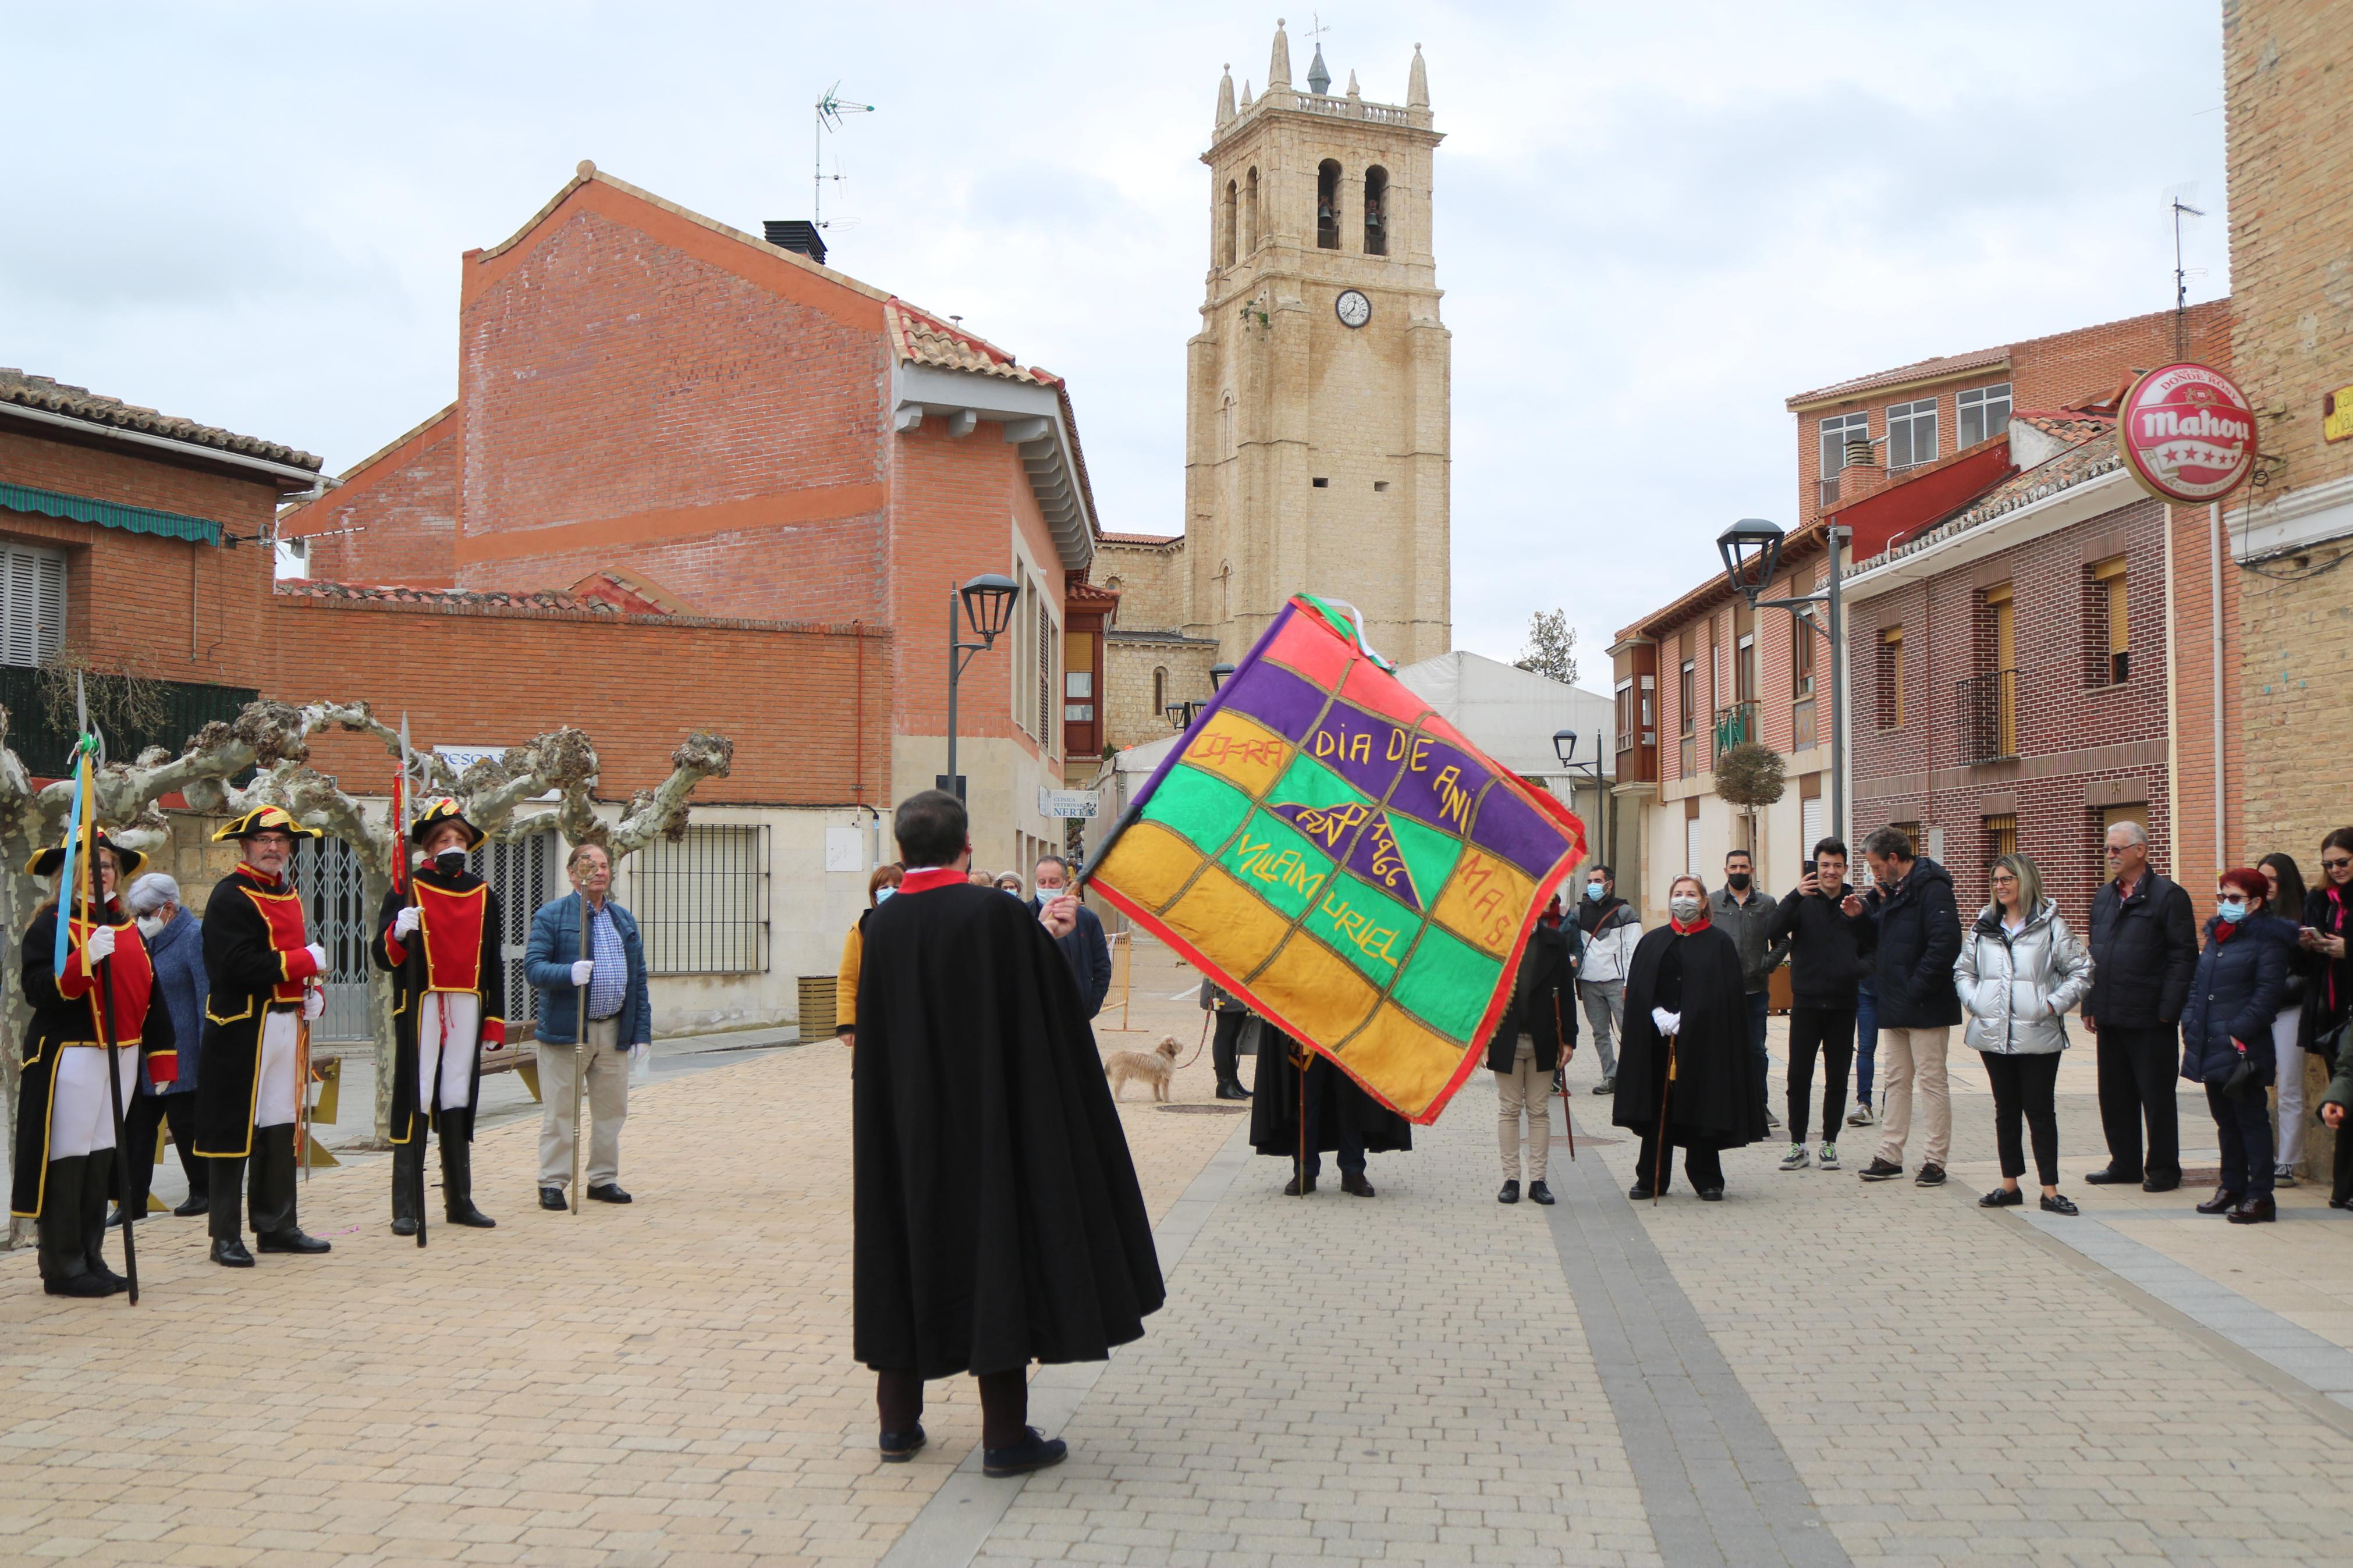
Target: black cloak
x=1543 y=1006
x=1719 y=1095
x=411 y=977
x=998 y=1219
x=1275 y=1104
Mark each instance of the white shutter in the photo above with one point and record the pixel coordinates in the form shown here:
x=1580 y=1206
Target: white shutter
x=1813 y=823
x=52 y=606
x=32 y=605
x=1690 y=846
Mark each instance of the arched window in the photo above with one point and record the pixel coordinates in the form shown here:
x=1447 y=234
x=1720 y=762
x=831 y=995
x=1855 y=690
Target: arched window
x=1226 y=240
x=1160 y=692
x=1377 y=211
x=1327 y=206
x=1249 y=213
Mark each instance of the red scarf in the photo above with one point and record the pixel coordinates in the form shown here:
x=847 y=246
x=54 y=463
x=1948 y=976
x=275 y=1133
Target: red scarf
x=1683 y=930
x=2223 y=930
x=925 y=881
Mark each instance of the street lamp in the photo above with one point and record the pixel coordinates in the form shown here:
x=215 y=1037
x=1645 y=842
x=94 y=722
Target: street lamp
x=1564 y=746
x=1218 y=674
x=988 y=601
x=1751 y=549
x=1182 y=714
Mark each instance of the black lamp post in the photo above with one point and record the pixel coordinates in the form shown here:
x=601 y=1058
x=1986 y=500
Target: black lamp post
x=1751 y=549
x=1218 y=674
x=1182 y=714
x=988 y=601
x=1564 y=746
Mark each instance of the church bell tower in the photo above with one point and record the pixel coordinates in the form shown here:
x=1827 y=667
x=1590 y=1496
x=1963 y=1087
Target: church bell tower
x=1317 y=388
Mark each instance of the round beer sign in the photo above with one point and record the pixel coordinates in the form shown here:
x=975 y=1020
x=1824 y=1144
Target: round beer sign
x=2186 y=433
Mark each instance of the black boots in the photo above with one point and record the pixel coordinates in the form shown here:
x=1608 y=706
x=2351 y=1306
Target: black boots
x=408 y=1180
x=457 y=1175
x=1231 y=1088
x=226 y=1185
x=70 y=1230
x=270 y=1194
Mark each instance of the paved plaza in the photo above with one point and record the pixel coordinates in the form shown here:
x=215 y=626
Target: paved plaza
x=1814 y=1372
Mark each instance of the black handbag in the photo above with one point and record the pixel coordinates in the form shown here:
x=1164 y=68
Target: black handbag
x=2244 y=1081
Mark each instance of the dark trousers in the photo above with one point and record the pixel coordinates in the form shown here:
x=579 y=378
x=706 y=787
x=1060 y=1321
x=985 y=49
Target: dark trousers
x=2340 y=1186
x=2244 y=1128
x=1866 y=1041
x=1704 y=1166
x=1830 y=1031
x=2026 y=1088
x=2138 y=1068
x=1758 y=1002
x=1351 y=1139
x=141 y=1119
x=1004 y=1404
x=1225 y=1050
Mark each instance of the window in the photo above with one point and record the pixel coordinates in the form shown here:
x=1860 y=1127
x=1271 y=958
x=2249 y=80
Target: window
x=1625 y=715
x=2002 y=610
x=1046 y=639
x=1744 y=682
x=1801 y=645
x=1984 y=413
x=1687 y=701
x=1837 y=431
x=1327 y=206
x=1377 y=211
x=1891 y=678
x=32 y=605
x=1911 y=434
x=1160 y=693
x=1249 y=212
x=1814 y=813
x=1687 y=695
x=703 y=901
x=2001 y=836
x=1232 y=213
x=1694 y=864
x=2111 y=628
x=1078 y=680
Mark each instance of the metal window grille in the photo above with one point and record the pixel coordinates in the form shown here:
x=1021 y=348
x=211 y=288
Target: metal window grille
x=335 y=906
x=703 y=901
x=523 y=872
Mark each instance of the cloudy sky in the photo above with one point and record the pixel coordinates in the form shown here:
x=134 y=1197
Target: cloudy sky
x=1654 y=222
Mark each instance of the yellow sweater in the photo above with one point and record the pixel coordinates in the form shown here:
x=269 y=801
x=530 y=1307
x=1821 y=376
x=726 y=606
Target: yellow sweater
x=845 y=984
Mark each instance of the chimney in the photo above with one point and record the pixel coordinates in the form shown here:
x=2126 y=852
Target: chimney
x=1863 y=475
x=797 y=234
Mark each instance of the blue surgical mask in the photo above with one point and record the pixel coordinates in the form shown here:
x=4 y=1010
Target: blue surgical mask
x=1594 y=890
x=882 y=896
x=2232 y=910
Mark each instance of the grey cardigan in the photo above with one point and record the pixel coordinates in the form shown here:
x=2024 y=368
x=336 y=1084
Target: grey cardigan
x=2014 y=989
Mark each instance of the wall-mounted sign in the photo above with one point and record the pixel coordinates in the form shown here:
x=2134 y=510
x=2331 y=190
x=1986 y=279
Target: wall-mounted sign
x=1071 y=805
x=2186 y=433
x=2336 y=415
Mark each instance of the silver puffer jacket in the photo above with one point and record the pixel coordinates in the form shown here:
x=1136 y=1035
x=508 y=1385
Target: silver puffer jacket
x=2015 y=989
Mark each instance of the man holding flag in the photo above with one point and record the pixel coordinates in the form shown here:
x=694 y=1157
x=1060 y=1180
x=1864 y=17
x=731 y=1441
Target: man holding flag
x=265 y=973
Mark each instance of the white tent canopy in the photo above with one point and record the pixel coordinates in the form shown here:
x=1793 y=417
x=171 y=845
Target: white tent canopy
x=1511 y=714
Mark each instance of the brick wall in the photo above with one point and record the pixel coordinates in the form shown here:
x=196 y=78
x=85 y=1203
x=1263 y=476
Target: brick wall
x=394 y=518
x=1150 y=579
x=2081 y=745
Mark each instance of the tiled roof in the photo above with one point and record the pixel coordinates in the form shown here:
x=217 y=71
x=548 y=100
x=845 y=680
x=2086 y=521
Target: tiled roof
x=2079 y=464
x=2068 y=425
x=1943 y=364
x=399 y=593
x=1147 y=539
x=922 y=338
x=39 y=392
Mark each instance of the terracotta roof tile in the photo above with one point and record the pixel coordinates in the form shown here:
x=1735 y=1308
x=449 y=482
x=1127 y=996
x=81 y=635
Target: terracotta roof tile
x=920 y=338
x=1920 y=370
x=2079 y=464
x=1110 y=538
x=28 y=391
x=401 y=594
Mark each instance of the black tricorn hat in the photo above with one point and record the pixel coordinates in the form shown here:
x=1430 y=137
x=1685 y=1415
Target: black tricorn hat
x=434 y=815
x=265 y=818
x=49 y=861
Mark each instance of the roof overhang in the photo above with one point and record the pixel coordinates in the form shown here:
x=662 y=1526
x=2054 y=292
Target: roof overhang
x=285 y=476
x=2094 y=498
x=1028 y=416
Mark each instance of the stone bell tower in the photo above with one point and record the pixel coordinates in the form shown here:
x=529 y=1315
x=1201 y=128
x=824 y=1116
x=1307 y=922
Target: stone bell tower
x=1317 y=389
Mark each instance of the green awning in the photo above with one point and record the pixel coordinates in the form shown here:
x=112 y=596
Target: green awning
x=109 y=514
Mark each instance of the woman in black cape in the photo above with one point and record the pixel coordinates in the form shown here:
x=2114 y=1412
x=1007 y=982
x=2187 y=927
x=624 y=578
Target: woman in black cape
x=1686 y=976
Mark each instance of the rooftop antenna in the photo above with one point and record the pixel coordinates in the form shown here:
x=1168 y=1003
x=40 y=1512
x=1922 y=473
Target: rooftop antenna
x=829 y=110
x=2176 y=201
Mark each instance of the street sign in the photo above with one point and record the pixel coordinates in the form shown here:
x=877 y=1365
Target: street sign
x=1080 y=805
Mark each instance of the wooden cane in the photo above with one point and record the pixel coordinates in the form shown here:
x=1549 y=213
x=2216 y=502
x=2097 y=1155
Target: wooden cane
x=1659 y=1177
x=579 y=1058
x=1560 y=1041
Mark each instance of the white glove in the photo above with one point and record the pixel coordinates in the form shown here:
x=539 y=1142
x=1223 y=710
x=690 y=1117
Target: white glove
x=406 y=922
x=101 y=944
x=314 y=1002
x=638 y=1071
x=317 y=956
x=1668 y=1023
x=637 y=1055
x=582 y=970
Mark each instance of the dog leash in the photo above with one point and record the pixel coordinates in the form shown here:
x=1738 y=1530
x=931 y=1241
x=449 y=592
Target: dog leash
x=1196 y=1056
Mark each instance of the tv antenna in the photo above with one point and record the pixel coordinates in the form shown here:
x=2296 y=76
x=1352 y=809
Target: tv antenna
x=829 y=110
x=2176 y=202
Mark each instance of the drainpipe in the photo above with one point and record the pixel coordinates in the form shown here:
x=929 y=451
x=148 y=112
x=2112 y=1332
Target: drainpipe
x=2214 y=586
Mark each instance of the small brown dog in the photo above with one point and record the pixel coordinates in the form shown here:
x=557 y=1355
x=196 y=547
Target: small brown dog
x=1155 y=1067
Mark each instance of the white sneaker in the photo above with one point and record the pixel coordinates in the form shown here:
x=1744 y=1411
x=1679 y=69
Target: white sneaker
x=1860 y=1116
x=1828 y=1159
x=1795 y=1158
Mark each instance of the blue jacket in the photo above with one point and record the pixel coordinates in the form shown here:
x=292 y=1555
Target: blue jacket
x=1088 y=952
x=2235 y=994
x=548 y=964
x=177 y=953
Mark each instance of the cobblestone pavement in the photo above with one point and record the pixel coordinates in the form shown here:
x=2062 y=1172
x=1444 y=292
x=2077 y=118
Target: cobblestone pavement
x=1814 y=1371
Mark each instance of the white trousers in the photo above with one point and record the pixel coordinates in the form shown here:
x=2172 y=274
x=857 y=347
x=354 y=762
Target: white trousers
x=81 y=1111
x=273 y=1104
x=461 y=1012
x=2287 y=1057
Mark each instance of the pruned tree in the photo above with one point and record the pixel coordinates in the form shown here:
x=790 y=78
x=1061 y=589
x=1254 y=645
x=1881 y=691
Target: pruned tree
x=1552 y=647
x=1750 y=775
x=273 y=738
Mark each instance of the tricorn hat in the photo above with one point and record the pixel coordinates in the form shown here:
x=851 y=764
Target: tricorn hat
x=49 y=861
x=265 y=818
x=437 y=812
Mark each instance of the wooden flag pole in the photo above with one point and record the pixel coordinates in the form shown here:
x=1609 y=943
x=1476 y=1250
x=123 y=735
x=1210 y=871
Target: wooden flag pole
x=579 y=1059
x=1560 y=1044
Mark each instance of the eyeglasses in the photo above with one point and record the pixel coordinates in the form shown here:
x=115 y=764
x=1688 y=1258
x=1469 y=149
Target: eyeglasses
x=2116 y=849
x=2337 y=865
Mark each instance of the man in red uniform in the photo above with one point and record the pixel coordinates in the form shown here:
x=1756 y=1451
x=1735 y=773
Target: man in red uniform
x=438 y=935
x=266 y=975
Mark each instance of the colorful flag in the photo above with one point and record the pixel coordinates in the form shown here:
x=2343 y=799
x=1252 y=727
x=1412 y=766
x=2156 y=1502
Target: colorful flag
x=1333 y=852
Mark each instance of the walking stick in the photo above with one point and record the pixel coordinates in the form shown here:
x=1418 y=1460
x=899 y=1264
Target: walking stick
x=102 y=1003
x=1560 y=1038
x=303 y=1091
x=1659 y=1177
x=579 y=1058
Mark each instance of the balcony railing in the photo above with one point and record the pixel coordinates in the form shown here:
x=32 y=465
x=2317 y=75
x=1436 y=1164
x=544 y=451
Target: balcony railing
x=1826 y=492
x=44 y=746
x=1989 y=713
x=1735 y=726
x=1803 y=735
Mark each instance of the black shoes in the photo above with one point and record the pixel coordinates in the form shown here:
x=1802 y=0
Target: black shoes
x=551 y=1199
x=230 y=1253
x=404 y=1225
x=1880 y=1170
x=1036 y=1451
x=2060 y=1202
x=2223 y=1201
x=1353 y=1184
x=1230 y=1089
x=2254 y=1211
x=1291 y=1187
x=1511 y=1193
x=1606 y=1086
x=1929 y=1176
x=2161 y=1183
x=1539 y=1194
x=1711 y=1194
x=2005 y=1198
x=898 y=1447
x=1640 y=1192
x=197 y=1203
x=609 y=1193
x=295 y=1240
x=2110 y=1177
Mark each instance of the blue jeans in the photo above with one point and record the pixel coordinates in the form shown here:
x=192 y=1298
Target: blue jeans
x=1866 y=1040
x=1757 y=1005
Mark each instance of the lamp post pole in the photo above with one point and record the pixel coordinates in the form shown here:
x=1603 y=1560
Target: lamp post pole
x=1751 y=549
x=955 y=672
x=1836 y=540
x=1564 y=746
x=988 y=601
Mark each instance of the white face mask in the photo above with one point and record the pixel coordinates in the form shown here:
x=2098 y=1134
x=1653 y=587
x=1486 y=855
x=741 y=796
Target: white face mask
x=1684 y=908
x=150 y=924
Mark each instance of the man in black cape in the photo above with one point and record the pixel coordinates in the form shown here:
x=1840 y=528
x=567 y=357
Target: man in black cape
x=1686 y=975
x=998 y=1219
x=1341 y=1116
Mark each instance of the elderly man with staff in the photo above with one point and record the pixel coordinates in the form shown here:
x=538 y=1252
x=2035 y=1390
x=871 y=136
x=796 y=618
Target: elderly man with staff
x=595 y=1022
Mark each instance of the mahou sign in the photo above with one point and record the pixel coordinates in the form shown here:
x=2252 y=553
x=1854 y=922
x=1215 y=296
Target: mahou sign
x=2186 y=433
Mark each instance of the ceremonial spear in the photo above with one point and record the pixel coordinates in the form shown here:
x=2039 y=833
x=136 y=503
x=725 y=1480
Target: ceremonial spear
x=580 y=1048
x=101 y=973
x=405 y=885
